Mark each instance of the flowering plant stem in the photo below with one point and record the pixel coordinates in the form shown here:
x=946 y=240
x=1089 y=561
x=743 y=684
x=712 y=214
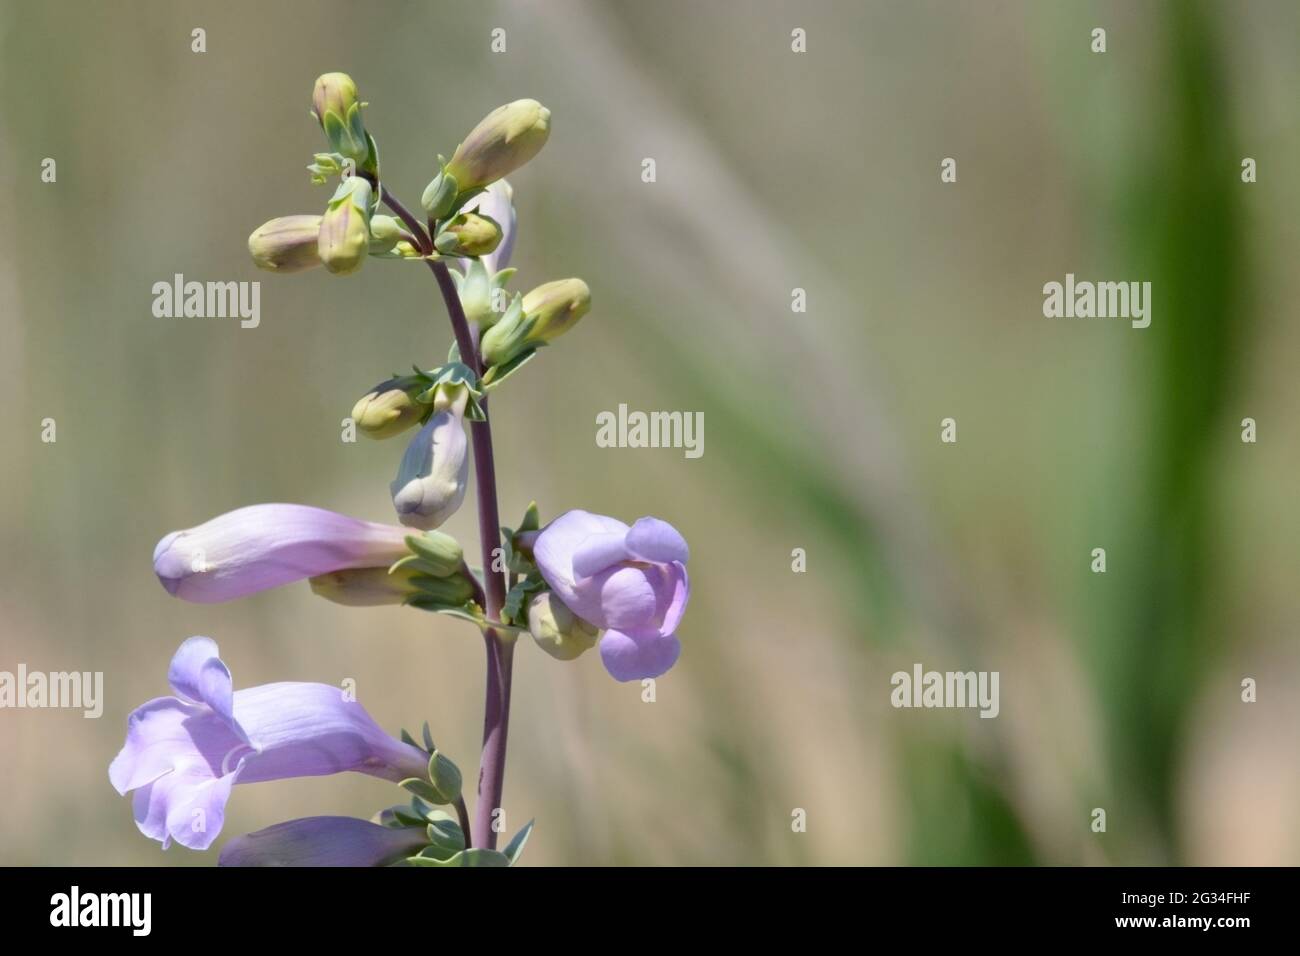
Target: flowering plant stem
x=500 y=648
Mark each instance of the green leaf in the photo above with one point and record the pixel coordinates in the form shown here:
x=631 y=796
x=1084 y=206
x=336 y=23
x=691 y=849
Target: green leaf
x=399 y=817
x=513 y=609
x=470 y=612
x=497 y=374
x=428 y=738
x=408 y=739
x=446 y=838
x=532 y=519
x=516 y=844
x=445 y=778
x=422 y=789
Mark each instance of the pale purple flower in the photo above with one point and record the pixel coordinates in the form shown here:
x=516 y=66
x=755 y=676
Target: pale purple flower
x=184 y=753
x=264 y=546
x=631 y=582
x=434 y=471
x=324 y=841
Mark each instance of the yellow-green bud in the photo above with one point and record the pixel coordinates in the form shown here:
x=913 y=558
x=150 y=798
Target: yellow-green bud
x=503 y=141
x=345 y=228
x=287 y=244
x=469 y=234
x=366 y=587
x=555 y=307
x=437 y=553
x=452 y=591
x=337 y=107
x=389 y=409
x=557 y=630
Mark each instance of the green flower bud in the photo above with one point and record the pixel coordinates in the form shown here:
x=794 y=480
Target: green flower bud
x=554 y=308
x=505 y=340
x=438 y=553
x=287 y=244
x=366 y=587
x=337 y=107
x=557 y=630
x=390 y=408
x=468 y=234
x=503 y=141
x=345 y=227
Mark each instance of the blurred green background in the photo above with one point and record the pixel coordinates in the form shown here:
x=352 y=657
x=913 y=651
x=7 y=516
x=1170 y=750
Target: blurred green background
x=775 y=170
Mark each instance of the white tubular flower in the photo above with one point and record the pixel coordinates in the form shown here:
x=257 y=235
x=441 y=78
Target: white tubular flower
x=431 y=480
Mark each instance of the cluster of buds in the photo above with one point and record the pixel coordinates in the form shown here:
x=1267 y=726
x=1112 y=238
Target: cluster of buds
x=471 y=222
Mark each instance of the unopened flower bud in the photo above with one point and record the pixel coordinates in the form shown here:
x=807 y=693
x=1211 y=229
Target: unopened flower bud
x=345 y=227
x=505 y=340
x=436 y=553
x=555 y=307
x=366 y=587
x=453 y=591
x=468 y=234
x=557 y=630
x=431 y=480
x=390 y=408
x=286 y=244
x=503 y=141
x=337 y=107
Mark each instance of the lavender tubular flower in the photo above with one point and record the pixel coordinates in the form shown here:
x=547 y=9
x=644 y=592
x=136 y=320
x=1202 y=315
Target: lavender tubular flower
x=631 y=582
x=324 y=841
x=264 y=546
x=183 y=754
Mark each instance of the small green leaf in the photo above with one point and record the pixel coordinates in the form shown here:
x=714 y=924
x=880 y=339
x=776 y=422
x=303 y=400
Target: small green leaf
x=445 y=838
x=428 y=738
x=445 y=778
x=512 y=611
x=422 y=789
x=497 y=374
x=398 y=817
x=516 y=844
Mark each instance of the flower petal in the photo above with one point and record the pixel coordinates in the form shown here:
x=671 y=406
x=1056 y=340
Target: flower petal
x=636 y=657
x=197 y=674
x=264 y=546
x=599 y=552
x=186 y=805
x=651 y=539
x=560 y=540
x=324 y=841
x=309 y=730
x=167 y=733
x=678 y=593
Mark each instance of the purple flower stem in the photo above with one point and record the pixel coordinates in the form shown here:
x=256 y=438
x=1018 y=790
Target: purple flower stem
x=500 y=649
x=423 y=241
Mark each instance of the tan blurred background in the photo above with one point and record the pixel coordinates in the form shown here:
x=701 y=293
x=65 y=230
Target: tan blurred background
x=775 y=170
